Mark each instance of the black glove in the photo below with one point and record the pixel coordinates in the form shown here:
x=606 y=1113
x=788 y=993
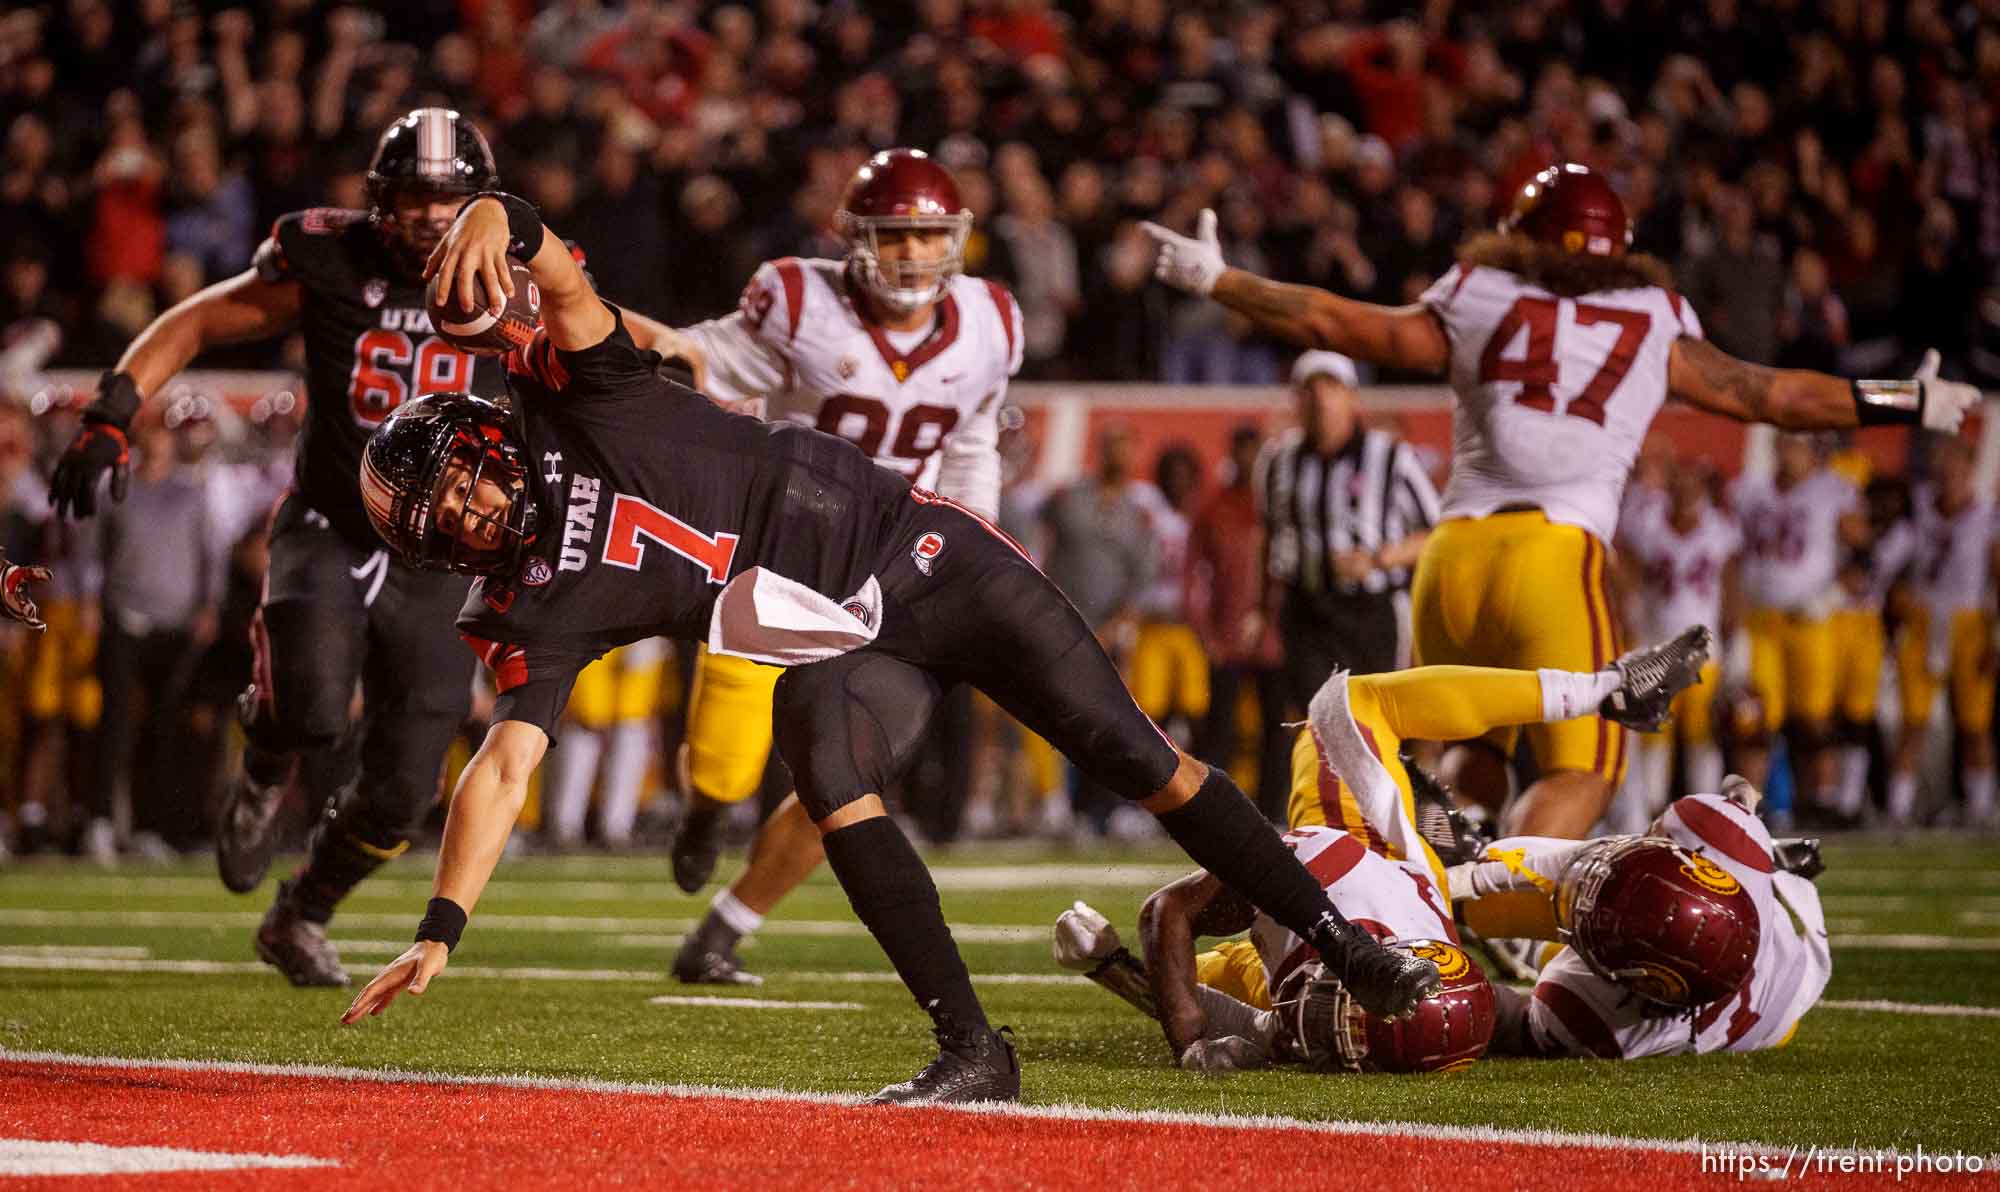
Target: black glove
x=99 y=447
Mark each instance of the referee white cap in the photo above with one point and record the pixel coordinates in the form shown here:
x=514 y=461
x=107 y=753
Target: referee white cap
x=1325 y=364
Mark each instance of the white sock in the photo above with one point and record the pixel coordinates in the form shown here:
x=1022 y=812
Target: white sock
x=1853 y=780
x=730 y=909
x=1569 y=694
x=1978 y=795
x=566 y=795
x=1704 y=768
x=1902 y=797
x=624 y=776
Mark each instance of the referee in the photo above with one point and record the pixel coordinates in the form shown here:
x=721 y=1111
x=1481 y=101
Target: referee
x=1346 y=511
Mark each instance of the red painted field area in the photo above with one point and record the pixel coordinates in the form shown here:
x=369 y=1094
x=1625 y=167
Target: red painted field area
x=389 y=1134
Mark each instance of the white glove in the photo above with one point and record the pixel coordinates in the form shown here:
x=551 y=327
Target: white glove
x=1188 y=263
x=1083 y=938
x=1738 y=790
x=1231 y=1054
x=1945 y=402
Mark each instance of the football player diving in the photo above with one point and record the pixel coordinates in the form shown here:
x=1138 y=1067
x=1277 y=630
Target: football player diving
x=337 y=607
x=1355 y=824
x=1560 y=346
x=614 y=503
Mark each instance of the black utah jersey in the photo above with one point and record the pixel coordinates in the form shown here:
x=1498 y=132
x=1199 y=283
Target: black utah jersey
x=369 y=348
x=650 y=499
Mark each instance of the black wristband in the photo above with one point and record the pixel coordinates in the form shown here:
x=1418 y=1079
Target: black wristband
x=1888 y=403
x=444 y=922
x=117 y=400
x=524 y=224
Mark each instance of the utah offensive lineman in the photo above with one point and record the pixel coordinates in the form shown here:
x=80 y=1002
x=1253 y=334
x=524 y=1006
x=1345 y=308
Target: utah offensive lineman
x=337 y=607
x=897 y=351
x=612 y=504
x=1560 y=347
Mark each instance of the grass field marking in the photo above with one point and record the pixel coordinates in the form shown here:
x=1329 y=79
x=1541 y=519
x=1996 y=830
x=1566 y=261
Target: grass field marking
x=1917 y=942
x=1920 y=1008
x=117 y=964
x=1836 y=878
x=39 y=1157
x=94 y=951
x=1075 y=1113
x=748 y=1003
x=988 y=933
x=880 y=976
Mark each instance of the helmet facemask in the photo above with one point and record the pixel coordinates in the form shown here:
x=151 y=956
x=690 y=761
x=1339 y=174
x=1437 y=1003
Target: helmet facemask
x=905 y=285
x=478 y=515
x=1319 y=1022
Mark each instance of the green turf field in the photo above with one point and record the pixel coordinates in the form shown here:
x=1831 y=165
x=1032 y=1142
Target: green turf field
x=1913 y=922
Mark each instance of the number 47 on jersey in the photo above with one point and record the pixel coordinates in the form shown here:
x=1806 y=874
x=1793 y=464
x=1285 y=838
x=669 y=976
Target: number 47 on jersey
x=1537 y=369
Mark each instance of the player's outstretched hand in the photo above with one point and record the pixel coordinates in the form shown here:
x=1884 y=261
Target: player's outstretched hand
x=409 y=973
x=1232 y=1053
x=1083 y=938
x=472 y=258
x=15 y=603
x=99 y=447
x=1190 y=263
x=1944 y=402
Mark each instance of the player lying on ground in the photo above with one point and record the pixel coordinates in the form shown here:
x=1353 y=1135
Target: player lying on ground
x=1354 y=821
x=615 y=504
x=1703 y=935
x=15 y=603
x=1560 y=347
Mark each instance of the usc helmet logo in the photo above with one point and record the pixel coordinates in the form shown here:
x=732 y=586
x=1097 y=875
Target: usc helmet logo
x=1660 y=983
x=1452 y=963
x=1710 y=875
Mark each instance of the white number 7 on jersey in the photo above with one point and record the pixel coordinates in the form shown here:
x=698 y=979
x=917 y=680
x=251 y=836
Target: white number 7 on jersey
x=632 y=518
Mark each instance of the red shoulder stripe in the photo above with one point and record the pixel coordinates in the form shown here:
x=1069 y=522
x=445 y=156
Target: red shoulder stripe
x=508 y=663
x=1674 y=300
x=1465 y=269
x=1579 y=1019
x=1334 y=861
x=1005 y=301
x=793 y=275
x=1727 y=837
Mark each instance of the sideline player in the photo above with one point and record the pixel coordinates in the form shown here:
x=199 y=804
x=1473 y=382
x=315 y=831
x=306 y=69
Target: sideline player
x=1797 y=526
x=786 y=545
x=1355 y=825
x=1560 y=347
x=1685 y=556
x=1579 y=1008
x=1948 y=635
x=337 y=607
x=894 y=349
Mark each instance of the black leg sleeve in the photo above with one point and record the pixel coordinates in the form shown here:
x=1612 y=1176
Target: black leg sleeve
x=892 y=893
x=1224 y=833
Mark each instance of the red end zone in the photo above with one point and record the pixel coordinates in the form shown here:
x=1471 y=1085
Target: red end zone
x=414 y=1134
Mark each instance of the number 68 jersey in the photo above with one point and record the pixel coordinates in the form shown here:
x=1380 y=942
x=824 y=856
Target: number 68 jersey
x=924 y=404
x=1554 y=393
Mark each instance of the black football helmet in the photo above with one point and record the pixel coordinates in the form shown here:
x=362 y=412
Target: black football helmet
x=430 y=150
x=445 y=481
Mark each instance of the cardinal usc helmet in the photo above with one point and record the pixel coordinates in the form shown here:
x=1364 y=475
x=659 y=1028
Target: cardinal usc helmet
x=1572 y=207
x=1323 y=1025
x=428 y=151
x=903 y=190
x=1671 y=925
x=445 y=482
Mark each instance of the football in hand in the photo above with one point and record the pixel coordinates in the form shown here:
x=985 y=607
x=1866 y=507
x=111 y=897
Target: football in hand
x=480 y=331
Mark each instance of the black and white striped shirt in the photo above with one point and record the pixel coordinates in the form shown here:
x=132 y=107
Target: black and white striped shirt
x=1369 y=494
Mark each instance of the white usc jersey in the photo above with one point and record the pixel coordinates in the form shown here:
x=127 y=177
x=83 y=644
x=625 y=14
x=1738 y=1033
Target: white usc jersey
x=1396 y=899
x=1791 y=539
x=1682 y=583
x=1576 y=1012
x=923 y=403
x=1554 y=394
x=1952 y=556
x=1165 y=598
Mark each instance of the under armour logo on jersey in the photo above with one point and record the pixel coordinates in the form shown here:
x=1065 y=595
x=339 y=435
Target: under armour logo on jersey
x=552 y=467
x=926 y=551
x=374 y=291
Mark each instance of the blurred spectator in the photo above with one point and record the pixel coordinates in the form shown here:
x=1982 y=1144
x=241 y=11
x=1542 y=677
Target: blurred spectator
x=1169 y=674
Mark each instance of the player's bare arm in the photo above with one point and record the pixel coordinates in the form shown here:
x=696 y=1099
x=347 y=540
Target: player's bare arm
x=1405 y=337
x=472 y=259
x=651 y=335
x=1169 y=923
x=484 y=806
x=1704 y=375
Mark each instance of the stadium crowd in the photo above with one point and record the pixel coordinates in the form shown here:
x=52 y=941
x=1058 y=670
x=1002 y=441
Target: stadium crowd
x=1835 y=206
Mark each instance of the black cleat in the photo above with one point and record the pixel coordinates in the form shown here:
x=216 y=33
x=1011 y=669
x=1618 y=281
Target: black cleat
x=1386 y=983
x=698 y=963
x=971 y=1066
x=246 y=839
x=698 y=847
x=1798 y=855
x=1651 y=677
x=298 y=947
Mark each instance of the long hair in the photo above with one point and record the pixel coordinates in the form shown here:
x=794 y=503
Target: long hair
x=1567 y=274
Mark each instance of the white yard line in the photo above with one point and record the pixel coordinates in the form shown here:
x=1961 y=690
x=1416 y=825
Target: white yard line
x=748 y=1003
x=623 y=926
x=94 y=951
x=1223 y=1121
x=40 y=1157
x=1916 y=942
x=1917 y=1008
